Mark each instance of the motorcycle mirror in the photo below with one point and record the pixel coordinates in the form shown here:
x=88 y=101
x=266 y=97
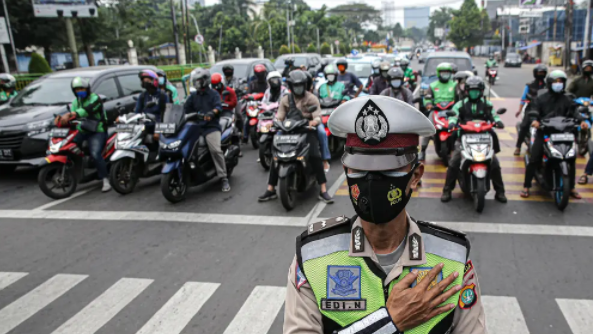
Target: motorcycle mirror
x=475 y=72
x=312 y=108
x=451 y=113
x=103 y=97
x=501 y=111
x=150 y=104
x=121 y=110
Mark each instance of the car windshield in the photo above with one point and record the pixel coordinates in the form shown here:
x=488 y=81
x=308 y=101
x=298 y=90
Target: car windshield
x=298 y=61
x=361 y=70
x=430 y=69
x=50 y=91
x=512 y=56
x=239 y=72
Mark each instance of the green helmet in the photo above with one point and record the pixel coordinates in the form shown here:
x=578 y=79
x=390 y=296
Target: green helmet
x=330 y=69
x=79 y=82
x=444 y=67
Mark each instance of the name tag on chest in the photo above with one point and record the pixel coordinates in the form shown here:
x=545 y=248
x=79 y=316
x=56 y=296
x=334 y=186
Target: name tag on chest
x=343 y=305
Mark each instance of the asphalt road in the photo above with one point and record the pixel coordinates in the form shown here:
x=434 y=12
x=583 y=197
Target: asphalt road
x=217 y=263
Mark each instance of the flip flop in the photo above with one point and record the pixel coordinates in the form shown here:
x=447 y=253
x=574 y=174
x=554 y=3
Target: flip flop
x=524 y=194
x=517 y=152
x=583 y=179
x=574 y=194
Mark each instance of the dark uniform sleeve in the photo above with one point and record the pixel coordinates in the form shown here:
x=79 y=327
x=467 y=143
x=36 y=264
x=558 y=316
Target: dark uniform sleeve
x=214 y=101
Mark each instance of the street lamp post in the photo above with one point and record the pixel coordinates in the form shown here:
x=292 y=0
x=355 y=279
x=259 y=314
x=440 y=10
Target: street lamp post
x=198 y=30
x=269 y=32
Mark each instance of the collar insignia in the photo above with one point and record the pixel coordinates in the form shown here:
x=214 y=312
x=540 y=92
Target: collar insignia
x=415 y=244
x=358 y=240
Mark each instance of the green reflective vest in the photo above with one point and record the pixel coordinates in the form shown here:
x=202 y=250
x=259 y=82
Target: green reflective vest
x=348 y=288
x=441 y=92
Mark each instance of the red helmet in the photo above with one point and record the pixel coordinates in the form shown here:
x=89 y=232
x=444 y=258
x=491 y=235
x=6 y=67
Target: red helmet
x=151 y=75
x=216 y=81
x=259 y=68
x=260 y=72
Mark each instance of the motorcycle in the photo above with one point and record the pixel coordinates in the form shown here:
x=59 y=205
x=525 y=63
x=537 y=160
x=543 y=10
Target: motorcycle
x=188 y=162
x=266 y=136
x=335 y=144
x=291 y=153
x=477 y=150
x=584 y=136
x=444 y=140
x=67 y=164
x=492 y=75
x=133 y=157
x=251 y=110
x=559 y=153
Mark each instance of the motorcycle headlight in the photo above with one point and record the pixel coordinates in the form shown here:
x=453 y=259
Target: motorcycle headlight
x=252 y=112
x=174 y=145
x=555 y=153
x=287 y=154
x=479 y=152
x=571 y=153
x=38 y=127
x=55 y=148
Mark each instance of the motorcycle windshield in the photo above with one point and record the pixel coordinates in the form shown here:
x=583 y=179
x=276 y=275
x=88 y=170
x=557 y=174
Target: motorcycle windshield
x=174 y=114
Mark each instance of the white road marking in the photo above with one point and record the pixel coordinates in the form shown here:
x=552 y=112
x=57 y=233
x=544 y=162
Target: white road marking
x=96 y=314
x=259 y=311
x=38 y=298
x=578 y=314
x=60 y=201
x=7 y=279
x=504 y=316
x=180 y=309
x=320 y=206
x=493 y=92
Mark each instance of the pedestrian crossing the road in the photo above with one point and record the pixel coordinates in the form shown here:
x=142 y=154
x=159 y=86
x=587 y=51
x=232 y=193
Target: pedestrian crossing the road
x=256 y=315
x=513 y=173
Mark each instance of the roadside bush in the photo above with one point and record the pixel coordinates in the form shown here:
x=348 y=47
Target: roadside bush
x=38 y=64
x=325 y=49
x=284 y=50
x=311 y=48
x=297 y=49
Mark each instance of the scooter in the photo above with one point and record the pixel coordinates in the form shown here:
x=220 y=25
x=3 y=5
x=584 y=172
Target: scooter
x=266 y=136
x=560 y=151
x=251 y=110
x=136 y=152
x=335 y=144
x=444 y=140
x=188 y=160
x=584 y=136
x=67 y=164
x=476 y=155
x=492 y=74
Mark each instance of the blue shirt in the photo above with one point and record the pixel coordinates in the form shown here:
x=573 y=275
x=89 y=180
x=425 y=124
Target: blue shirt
x=524 y=96
x=349 y=78
x=160 y=98
x=203 y=102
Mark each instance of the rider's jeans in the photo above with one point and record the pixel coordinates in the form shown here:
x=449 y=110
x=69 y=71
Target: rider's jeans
x=96 y=141
x=325 y=155
x=213 y=142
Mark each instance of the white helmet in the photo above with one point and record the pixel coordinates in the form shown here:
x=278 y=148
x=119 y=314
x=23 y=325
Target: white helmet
x=273 y=74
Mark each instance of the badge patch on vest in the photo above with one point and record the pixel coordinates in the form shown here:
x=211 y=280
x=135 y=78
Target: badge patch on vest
x=299 y=278
x=343 y=289
x=415 y=245
x=468 y=297
x=423 y=273
x=358 y=240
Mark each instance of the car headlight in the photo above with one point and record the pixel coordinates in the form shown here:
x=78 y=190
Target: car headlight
x=287 y=154
x=38 y=127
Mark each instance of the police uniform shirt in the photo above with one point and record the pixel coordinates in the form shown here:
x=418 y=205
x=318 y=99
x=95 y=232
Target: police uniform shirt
x=302 y=314
x=388 y=261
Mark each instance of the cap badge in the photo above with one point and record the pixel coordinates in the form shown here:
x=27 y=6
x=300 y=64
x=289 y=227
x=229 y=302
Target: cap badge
x=371 y=124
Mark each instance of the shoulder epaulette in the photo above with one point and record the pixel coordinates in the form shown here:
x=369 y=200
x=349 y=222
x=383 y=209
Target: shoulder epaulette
x=441 y=228
x=327 y=224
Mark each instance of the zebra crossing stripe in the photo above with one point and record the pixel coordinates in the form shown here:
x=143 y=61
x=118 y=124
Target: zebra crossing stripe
x=259 y=311
x=180 y=309
x=578 y=314
x=38 y=298
x=503 y=315
x=7 y=279
x=96 y=314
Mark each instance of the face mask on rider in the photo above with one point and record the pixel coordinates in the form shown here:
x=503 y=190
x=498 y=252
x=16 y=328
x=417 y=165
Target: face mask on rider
x=445 y=76
x=161 y=81
x=474 y=94
x=274 y=83
x=396 y=84
x=384 y=74
x=147 y=85
x=331 y=77
x=298 y=90
x=82 y=94
x=381 y=196
x=558 y=87
x=587 y=71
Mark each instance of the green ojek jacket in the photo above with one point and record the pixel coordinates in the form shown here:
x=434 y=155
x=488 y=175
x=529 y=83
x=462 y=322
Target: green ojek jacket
x=440 y=92
x=491 y=63
x=5 y=97
x=335 y=91
x=466 y=110
x=91 y=107
x=409 y=73
x=174 y=95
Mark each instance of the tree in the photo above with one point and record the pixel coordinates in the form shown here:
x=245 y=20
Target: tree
x=38 y=64
x=311 y=48
x=296 y=48
x=355 y=14
x=284 y=50
x=466 y=26
x=398 y=31
x=325 y=49
x=415 y=34
x=439 y=19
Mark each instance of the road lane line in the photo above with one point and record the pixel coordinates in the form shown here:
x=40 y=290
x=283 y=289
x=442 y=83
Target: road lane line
x=578 y=314
x=60 y=201
x=320 y=206
x=96 y=314
x=503 y=315
x=180 y=309
x=493 y=92
x=7 y=279
x=259 y=311
x=38 y=298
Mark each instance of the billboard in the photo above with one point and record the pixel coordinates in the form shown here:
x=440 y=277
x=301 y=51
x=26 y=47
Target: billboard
x=64 y=8
x=530 y=3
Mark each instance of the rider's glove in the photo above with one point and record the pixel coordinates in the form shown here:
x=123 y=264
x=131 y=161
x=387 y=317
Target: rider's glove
x=499 y=125
x=210 y=114
x=452 y=126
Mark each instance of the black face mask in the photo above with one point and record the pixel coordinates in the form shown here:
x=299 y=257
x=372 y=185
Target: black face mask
x=540 y=77
x=147 y=86
x=588 y=71
x=377 y=197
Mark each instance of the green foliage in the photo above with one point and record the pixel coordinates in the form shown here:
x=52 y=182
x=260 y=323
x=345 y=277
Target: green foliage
x=398 y=31
x=311 y=48
x=415 y=34
x=355 y=14
x=325 y=49
x=284 y=50
x=296 y=48
x=345 y=48
x=468 y=25
x=439 y=19
x=38 y=64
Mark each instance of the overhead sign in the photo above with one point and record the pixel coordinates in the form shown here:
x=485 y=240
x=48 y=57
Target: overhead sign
x=530 y=3
x=4 y=38
x=65 y=8
x=439 y=32
x=529 y=13
x=199 y=39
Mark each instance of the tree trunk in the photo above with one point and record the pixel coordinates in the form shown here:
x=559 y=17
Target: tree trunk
x=87 y=47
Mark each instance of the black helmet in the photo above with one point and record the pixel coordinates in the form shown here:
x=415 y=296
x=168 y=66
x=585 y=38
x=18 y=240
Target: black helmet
x=289 y=61
x=297 y=79
x=454 y=68
x=588 y=63
x=463 y=75
x=343 y=62
x=200 y=78
x=395 y=75
x=540 y=68
x=228 y=70
x=554 y=75
x=475 y=83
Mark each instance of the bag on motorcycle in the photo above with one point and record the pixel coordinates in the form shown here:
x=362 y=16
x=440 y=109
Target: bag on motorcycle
x=90 y=125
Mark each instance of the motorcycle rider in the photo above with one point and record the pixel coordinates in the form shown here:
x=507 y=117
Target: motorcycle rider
x=529 y=95
x=275 y=89
x=460 y=78
x=332 y=87
x=259 y=85
x=491 y=62
x=441 y=90
x=375 y=74
x=382 y=82
x=167 y=87
x=473 y=107
x=550 y=104
x=229 y=72
x=454 y=68
x=8 y=87
x=89 y=107
x=348 y=79
x=408 y=73
x=229 y=99
x=296 y=104
x=396 y=77
x=583 y=85
x=206 y=101
x=288 y=66
x=152 y=93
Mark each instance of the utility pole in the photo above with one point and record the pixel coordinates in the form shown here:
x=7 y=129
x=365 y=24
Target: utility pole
x=183 y=29
x=189 y=39
x=586 y=32
x=567 y=33
x=318 y=47
x=72 y=42
x=555 y=17
x=287 y=29
x=175 y=33
x=16 y=65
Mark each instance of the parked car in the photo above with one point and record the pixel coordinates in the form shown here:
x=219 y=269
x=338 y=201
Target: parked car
x=512 y=59
x=310 y=60
x=243 y=70
x=25 y=121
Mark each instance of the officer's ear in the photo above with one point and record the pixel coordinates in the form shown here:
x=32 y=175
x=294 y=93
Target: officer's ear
x=417 y=175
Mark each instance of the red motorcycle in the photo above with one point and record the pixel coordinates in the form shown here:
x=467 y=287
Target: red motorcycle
x=492 y=74
x=251 y=110
x=68 y=164
x=444 y=140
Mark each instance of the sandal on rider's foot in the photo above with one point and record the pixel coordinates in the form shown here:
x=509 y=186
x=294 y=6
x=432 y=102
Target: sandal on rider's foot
x=517 y=152
x=575 y=194
x=524 y=194
x=583 y=179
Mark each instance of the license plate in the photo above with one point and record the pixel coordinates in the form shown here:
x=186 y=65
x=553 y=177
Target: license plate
x=288 y=139
x=477 y=138
x=59 y=133
x=6 y=154
x=164 y=128
x=562 y=137
x=124 y=127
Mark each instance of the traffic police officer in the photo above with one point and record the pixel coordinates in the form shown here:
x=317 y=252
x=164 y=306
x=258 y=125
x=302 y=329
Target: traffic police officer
x=382 y=271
